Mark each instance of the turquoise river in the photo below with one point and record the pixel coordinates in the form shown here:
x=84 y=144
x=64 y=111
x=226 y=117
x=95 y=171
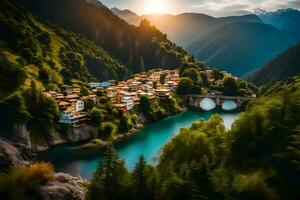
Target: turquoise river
x=147 y=142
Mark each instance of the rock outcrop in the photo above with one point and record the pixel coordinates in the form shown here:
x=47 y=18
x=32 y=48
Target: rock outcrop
x=64 y=187
x=11 y=155
x=82 y=133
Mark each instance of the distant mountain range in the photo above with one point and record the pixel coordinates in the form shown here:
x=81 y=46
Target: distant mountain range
x=285 y=20
x=285 y=65
x=237 y=44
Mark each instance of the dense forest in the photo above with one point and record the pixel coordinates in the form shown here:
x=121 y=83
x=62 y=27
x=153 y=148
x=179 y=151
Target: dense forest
x=282 y=67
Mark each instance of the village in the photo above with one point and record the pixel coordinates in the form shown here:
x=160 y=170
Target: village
x=124 y=95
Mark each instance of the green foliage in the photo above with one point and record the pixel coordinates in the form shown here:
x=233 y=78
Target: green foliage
x=191 y=73
x=13 y=112
x=106 y=129
x=89 y=104
x=162 y=78
x=43 y=112
x=25 y=182
x=185 y=86
x=230 y=87
x=144 y=181
x=111 y=180
x=12 y=76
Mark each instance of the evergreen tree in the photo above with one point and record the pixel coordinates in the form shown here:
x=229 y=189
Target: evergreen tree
x=140 y=180
x=111 y=181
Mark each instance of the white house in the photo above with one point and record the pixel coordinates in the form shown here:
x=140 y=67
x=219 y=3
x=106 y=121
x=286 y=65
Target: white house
x=128 y=101
x=79 y=106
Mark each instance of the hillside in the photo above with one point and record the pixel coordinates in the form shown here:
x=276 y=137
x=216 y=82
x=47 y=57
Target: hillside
x=32 y=50
x=285 y=65
x=240 y=47
x=138 y=48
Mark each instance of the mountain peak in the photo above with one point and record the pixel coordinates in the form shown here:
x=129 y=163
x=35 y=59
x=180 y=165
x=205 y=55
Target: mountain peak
x=96 y=2
x=123 y=12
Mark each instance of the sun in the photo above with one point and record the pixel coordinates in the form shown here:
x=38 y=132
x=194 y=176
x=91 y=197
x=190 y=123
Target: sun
x=155 y=6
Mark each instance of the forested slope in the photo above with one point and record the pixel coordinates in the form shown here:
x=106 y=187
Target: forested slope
x=138 y=48
x=32 y=50
x=285 y=65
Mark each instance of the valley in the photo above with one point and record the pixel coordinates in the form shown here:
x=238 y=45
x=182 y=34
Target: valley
x=101 y=103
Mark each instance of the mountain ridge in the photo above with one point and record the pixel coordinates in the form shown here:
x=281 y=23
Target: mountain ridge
x=138 y=48
x=282 y=67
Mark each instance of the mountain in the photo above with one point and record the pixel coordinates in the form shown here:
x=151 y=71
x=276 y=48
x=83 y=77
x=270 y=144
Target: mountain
x=34 y=50
x=138 y=48
x=127 y=15
x=184 y=28
x=285 y=65
x=237 y=44
x=286 y=20
x=240 y=47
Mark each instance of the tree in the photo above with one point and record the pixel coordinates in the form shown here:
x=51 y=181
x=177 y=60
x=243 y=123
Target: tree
x=89 y=104
x=111 y=181
x=11 y=76
x=43 y=110
x=140 y=178
x=162 y=78
x=44 y=75
x=154 y=84
x=13 y=111
x=146 y=108
x=230 y=86
x=191 y=73
x=185 y=86
x=124 y=124
x=106 y=129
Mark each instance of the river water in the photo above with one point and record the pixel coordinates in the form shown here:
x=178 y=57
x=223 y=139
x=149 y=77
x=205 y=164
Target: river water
x=147 y=142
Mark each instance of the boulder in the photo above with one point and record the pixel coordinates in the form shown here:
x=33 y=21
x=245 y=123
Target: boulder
x=11 y=155
x=64 y=187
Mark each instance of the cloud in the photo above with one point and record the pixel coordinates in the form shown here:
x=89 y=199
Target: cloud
x=294 y=4
x=211 y=7
x=227 y=7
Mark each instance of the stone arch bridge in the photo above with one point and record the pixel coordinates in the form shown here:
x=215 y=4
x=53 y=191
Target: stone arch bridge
x=213 y=100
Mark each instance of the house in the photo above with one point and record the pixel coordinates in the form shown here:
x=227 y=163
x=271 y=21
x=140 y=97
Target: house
x=121 y=107
x=64 y=105
x=72 y=96
x=68 y=89
x=74 y=119
x=172 y=85
x=128 y=101
x=76 y=89
x=68 y=118
x=79 y=106
x=163 y=93
x=98 y=84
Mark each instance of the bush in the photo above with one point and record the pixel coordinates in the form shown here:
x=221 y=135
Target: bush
x=185 y=86
x=25 y=182
x=106 y=129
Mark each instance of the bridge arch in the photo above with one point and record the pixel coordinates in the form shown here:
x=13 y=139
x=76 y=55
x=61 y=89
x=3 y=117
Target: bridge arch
x=207 y=104
x=229 y=105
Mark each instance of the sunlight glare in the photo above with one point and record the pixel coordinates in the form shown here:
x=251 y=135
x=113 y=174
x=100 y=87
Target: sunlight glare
x=155 y=6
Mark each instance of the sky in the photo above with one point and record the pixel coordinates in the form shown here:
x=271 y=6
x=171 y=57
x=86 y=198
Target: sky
x=211 y=7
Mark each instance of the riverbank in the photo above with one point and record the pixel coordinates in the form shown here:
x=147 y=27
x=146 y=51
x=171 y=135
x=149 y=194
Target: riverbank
x=148 y=141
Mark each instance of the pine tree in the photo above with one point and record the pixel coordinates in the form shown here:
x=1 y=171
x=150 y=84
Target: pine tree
x=140 y=180
x=111 y=180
